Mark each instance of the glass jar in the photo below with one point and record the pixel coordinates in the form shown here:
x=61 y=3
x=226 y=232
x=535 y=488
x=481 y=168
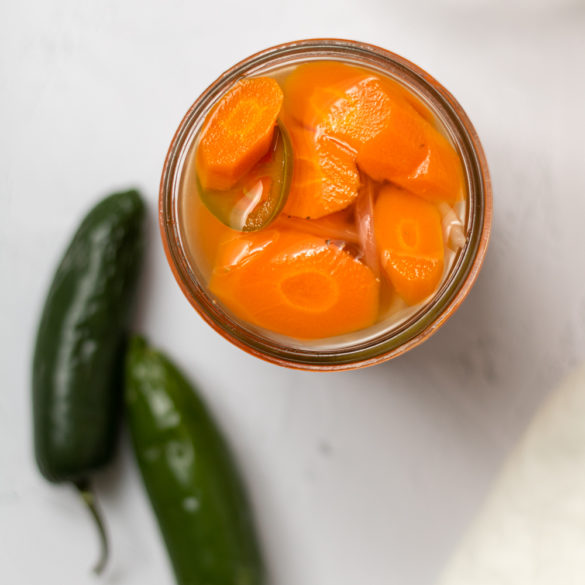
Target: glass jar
x=370 y=346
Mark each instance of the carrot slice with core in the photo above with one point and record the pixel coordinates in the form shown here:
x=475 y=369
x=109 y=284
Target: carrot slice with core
x=295 y=284
x=415 y=156
x=325 y=178
x=238 y=132
x=311 y=88
x=342 y=102
x=356 y=113
x=410 y=241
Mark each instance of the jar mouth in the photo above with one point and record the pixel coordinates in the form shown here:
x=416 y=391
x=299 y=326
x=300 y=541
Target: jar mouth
x=375 y=348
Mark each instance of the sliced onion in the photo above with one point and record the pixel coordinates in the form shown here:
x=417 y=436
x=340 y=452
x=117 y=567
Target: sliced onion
x=453 y=228
x=322 y=227
x=364 y=220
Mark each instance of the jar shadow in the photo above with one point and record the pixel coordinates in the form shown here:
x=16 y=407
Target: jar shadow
x=458 y=403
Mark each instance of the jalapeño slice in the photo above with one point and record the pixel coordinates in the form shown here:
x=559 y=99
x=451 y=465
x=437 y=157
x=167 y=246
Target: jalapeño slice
x=260 y=195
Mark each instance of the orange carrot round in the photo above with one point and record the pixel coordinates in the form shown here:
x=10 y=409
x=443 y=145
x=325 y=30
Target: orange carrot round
x=347 y=102
x=398 y=149
x=325 y=178
x=440 y=176
x=410 y=241
x=238 y=132
x=311 y=88
x=412 y=154
x=398 y=92
x=343 y=102
x=295 y=284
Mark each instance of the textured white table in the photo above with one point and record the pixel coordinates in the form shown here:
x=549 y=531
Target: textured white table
x=366 y=477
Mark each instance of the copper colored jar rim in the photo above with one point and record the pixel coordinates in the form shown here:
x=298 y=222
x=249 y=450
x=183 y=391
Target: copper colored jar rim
x=452 y=292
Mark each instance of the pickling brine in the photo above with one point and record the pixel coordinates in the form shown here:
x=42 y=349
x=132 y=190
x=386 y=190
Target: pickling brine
x=323 y=200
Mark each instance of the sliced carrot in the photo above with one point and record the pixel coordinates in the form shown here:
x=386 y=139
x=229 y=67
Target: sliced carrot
x=440 y=176
x=360 y=114
x=295 y=284
x=236 y=249
x=398 y=149
x=411 y=153
x=397 y=91
x=410 y=241
x=347 y=102
x=311 y=88
x=325 y=178
x=238 y=132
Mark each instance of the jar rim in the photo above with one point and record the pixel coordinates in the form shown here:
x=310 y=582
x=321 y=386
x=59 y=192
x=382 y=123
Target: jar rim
x=430 y=317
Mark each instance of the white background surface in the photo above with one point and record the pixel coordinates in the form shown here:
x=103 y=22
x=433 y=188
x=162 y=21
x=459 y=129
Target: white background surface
x=366 y=477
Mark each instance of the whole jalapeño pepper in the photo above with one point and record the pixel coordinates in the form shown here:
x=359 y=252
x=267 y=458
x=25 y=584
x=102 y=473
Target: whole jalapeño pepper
x=189 y=474
x=77 y=373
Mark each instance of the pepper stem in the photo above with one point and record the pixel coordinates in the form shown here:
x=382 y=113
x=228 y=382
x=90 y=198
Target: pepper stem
x=88 y=496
